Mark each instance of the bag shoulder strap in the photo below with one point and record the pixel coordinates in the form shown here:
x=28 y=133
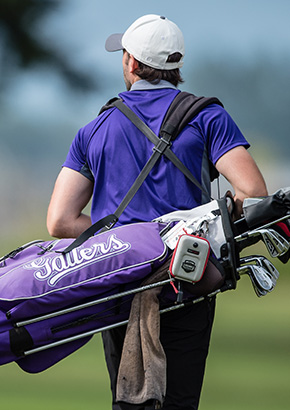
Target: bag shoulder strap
x=161 y=145
x=183 y=108
x=181 y=111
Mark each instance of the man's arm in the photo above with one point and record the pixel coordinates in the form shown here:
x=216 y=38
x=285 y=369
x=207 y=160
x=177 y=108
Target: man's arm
x=72 y=192
x=239 y=168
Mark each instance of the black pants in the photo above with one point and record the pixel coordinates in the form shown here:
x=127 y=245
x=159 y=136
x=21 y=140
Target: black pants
x=185 y=336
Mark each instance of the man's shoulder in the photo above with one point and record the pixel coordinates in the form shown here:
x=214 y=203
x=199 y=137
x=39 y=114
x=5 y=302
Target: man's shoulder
x=211 y=112
x=88 y=129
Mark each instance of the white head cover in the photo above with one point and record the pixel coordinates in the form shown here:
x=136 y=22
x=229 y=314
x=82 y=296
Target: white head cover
x=151 y=39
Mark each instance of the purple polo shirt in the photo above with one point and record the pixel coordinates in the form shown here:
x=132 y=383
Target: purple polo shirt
x=116 y=151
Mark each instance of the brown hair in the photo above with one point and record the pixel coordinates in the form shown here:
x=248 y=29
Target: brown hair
x=154 y=76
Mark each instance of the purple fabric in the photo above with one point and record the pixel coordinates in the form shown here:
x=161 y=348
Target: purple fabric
x=116 y=152
x=32 y=274
x=32 y=284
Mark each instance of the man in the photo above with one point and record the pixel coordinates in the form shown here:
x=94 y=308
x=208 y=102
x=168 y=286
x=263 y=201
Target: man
x=107 y=155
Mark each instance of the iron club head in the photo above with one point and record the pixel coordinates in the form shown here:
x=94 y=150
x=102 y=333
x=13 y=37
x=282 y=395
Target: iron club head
x=275 y=243
x=261 y=282
x=262 y=273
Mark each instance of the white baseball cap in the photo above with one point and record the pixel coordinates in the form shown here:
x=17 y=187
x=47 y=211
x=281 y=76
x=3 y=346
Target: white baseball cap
x=151 y=39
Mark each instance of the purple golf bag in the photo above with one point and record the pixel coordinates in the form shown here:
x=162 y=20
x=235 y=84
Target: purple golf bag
x=52 y=301
x=39 y=280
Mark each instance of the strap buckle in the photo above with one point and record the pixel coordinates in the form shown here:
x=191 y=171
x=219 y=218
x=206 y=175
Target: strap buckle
x=162 y=145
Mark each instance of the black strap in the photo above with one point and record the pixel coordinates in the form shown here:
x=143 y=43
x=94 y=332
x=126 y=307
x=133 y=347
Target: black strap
x=157 y=152
x=108 y=220
x=168 y=131
x=158 y=142
x=20 y=341
x=182 y=110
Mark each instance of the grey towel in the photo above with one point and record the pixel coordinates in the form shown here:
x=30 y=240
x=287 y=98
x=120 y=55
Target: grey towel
x=142 y=371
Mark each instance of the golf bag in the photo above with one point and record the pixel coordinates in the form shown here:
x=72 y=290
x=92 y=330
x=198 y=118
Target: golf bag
x=53 y=301
x=38 y=279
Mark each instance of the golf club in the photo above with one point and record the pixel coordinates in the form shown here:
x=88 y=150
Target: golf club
x=262 y=273
x=262 y=261
x=275 y=243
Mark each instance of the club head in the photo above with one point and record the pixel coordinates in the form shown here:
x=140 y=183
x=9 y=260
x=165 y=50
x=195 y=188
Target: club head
x=262 y=261
x=271 y=269
x=275 y=243
x=262 y=273
x=261 y=282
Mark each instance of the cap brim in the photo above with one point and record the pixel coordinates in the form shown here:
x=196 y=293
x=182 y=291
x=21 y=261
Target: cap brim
x=114 y=42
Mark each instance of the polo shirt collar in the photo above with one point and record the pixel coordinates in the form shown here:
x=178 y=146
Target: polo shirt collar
x=146 y=85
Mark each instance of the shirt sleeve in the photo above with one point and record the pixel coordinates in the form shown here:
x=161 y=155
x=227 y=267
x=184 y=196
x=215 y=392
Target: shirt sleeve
x=221 y=132
x=76 y=157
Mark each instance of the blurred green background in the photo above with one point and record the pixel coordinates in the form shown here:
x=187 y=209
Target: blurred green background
x=54 y=77
x=247 y=368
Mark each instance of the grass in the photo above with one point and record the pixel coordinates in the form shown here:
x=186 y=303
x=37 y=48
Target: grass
x=248 y=365
x=79 y=381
